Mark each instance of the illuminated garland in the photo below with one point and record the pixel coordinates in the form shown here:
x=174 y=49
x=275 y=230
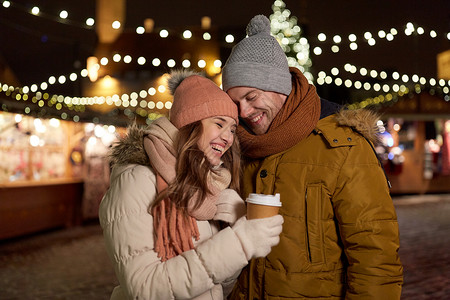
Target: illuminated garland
x=380 y=99
x=284 y=28
x=117 y=58
x=397 y=78
x=371 y=39
x=287 y=28
x=395 y=90
x=124 y=100
x=90 y=23
x=279 y=12
x=133 y=99
x=386 y=98
x=138 y=99
x=77 y=104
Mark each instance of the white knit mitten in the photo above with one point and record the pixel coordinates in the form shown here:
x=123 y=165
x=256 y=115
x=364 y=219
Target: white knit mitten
x=230 y=207
x=258 y=236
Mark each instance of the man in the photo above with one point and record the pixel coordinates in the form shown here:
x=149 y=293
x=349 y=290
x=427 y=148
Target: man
x=340 y=234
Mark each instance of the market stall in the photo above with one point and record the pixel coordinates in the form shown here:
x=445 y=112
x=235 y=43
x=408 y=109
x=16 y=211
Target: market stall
x=415 y=145
x=53 y=173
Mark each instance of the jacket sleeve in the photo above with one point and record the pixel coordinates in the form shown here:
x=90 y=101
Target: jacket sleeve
x=368 y=227
x=128 y=232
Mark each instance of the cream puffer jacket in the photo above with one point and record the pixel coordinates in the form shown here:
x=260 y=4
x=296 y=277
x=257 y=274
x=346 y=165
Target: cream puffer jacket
x=206 y=272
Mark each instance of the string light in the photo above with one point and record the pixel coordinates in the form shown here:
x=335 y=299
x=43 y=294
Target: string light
x=140 y=30
x=279 y=11
x=90 y=22
x=187 y=34
x=127 y=59
x=206 y=36
x=201 y=63
x=337 y=39
x=322 y=75
x=352 y=38
x=229 y=38
x=116 y=25
x=398 y=89
x=35 y=10
x=164 y=33
x=404 y=78
x=285 y=40
x=63 y=14
x=79 y=102
x=171 y=63
x=186 y=63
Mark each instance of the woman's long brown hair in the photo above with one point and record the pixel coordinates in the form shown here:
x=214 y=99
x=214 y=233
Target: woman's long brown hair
x=192 y=169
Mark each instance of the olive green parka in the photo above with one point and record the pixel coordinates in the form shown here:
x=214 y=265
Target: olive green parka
x=340 y=236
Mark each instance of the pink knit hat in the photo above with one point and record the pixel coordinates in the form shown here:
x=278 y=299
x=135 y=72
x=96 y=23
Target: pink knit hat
x=196 y=98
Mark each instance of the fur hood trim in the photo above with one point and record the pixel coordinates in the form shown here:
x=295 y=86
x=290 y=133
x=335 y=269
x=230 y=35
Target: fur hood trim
x=130 y=149
x=363 y=121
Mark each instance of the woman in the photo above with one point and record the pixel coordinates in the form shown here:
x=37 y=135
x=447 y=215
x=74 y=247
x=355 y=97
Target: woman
x=171 y=186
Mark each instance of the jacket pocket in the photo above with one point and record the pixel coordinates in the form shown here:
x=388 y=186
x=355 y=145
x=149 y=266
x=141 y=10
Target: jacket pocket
x=314 y=233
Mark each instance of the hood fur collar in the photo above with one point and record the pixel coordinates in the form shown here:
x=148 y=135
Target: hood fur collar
x=130 y=149
x=363 y=121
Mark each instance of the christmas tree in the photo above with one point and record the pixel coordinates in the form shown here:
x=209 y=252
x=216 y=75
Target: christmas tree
x=285 y=29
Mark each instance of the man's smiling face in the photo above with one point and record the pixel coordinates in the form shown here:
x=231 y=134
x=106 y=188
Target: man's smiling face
x=257 y=108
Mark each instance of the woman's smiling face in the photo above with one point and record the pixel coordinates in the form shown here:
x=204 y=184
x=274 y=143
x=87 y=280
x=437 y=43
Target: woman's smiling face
x=217 y=137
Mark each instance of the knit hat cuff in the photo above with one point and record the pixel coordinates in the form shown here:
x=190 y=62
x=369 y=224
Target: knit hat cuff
x=206 y=110
x=257 y=75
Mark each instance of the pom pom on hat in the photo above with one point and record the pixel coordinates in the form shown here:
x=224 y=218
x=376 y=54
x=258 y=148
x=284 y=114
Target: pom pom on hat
x=258 y=61
x=258 y=24
x=176 y=77
x=196 y=97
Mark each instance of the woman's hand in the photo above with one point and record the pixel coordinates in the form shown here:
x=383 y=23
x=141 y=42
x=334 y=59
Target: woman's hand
x=230 y=207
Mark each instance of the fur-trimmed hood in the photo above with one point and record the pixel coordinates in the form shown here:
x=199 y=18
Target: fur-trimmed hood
x=130 y=149
x=363 y=121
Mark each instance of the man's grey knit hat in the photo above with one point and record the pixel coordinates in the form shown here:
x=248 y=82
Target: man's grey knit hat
x=258 y=61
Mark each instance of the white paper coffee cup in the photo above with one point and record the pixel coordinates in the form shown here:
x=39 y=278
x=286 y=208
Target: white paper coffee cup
x=262 y=206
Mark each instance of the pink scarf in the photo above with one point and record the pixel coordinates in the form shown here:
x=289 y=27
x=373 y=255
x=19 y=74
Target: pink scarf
x=174 y=233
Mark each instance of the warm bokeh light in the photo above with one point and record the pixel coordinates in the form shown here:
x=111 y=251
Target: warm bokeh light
x=156 y=62
x=116 y=24
x=164 y=33
x=206 y=36
x=63 y=14
x=140 y=30
x=187 y=34
x=35 y=10
x=229 y=38
x=90 y=22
